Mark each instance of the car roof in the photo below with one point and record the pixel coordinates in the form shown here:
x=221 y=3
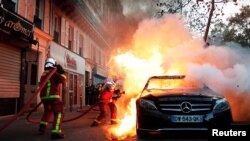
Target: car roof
x=167 y=77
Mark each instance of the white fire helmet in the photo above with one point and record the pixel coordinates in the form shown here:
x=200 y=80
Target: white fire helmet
x=50 y=62
x=109 y=84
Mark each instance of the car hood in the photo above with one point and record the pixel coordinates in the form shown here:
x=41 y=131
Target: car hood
x=179 y=92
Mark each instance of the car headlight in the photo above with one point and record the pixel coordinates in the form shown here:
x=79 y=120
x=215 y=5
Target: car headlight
x=147 y=104
x=221 y=105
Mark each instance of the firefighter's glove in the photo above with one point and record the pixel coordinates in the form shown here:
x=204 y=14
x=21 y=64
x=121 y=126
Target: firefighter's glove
x=116 y=92
x=60 y=69
x=116 y=96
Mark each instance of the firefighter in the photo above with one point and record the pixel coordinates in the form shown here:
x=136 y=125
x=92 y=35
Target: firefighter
x=112 y=104
x=51 y=99
x=104 y=100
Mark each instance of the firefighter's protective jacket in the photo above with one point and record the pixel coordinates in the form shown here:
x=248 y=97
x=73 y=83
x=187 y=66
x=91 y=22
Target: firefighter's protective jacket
x=106 y=96
x=52 y=88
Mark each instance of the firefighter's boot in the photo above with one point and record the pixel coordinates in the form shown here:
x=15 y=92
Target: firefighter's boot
x=95 y=123
x=42 y=128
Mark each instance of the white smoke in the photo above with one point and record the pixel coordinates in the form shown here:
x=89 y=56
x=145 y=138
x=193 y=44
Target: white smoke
x=231 y=78
x=228 y=69
x=138 y=9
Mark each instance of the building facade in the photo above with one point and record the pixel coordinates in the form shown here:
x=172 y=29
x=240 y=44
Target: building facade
x=71 y=31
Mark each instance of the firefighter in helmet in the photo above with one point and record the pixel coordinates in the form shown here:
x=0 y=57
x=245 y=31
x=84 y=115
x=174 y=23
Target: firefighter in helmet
x=104 y=100
x=118 y=91
x=51 y=99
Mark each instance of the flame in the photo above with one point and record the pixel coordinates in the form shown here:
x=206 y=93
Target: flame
x=176 y=69
x=150 y=55
x=164 y=47
x=127 y=125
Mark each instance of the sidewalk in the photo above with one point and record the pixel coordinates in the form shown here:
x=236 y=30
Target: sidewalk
x=76 y=130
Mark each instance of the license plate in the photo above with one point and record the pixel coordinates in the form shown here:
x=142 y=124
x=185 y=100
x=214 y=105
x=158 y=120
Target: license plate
x=187 y=118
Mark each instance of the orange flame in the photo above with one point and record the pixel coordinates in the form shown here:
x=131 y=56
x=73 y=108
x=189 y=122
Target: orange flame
x=164 y=47
x=127 y=125
x=151 y=55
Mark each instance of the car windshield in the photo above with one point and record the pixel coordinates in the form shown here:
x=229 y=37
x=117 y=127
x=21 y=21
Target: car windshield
x=169 y=82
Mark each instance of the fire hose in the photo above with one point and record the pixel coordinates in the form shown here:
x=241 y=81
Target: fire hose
x=41 y=86
x=67 y=120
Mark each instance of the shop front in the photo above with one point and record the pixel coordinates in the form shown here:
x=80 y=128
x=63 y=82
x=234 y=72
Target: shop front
x=16 y=38
x=97 y=79
x=100 y=74
x=74 y=66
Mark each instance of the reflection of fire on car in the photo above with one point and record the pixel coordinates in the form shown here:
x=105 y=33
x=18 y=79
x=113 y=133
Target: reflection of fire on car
x=170 y=103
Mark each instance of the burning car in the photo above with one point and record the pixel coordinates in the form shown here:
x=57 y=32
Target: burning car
x=170 y=103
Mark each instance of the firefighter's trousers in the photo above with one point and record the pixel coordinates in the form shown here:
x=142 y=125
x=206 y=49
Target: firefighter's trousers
x=113 y=111
x=103 y=106
x=53 y=107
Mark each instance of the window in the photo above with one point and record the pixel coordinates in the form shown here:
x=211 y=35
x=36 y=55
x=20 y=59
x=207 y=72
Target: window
x=92 y=52
x=80 y=51
x=39 y=13
x=98 y=57
x=81 y=45
x=57 y=27
x=11 y=5
x=33 y=79
x=102 y=59
x=71 y=34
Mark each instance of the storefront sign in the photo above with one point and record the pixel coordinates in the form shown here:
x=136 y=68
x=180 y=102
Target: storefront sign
x=12 y=23
x=71 y=62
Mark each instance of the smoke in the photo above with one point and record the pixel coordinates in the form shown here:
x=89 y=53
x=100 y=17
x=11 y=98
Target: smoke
x=138 y=9
x=133 y=12
x=225 y=70
x=163 y=46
